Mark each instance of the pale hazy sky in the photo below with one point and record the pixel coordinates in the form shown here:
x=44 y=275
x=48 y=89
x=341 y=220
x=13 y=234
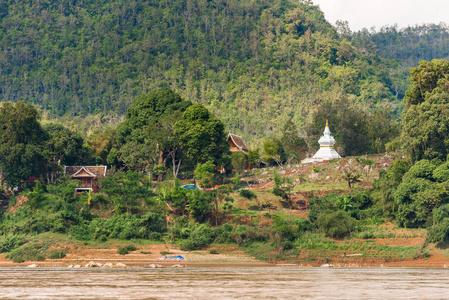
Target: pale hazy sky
x=368 y=13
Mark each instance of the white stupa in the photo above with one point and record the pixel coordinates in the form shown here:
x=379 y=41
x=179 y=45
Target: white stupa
x=327 y=151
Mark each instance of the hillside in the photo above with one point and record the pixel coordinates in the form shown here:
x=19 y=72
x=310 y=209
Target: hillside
x=253 y=63
x=257 y=230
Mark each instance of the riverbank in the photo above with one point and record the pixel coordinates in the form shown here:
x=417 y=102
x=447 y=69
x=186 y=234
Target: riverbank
x=226 y=256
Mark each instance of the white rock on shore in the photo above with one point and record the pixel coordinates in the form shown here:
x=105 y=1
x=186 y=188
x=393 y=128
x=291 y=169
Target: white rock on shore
x=93 y=264
x=153 y=266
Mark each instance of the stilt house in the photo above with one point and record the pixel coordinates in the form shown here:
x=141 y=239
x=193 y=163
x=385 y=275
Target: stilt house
x=88 y=175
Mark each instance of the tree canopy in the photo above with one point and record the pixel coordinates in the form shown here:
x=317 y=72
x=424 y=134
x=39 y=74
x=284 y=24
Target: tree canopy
x=202 y=137
x=425 y=130
x=254 y=64
x=22 y=142
x=146 y=136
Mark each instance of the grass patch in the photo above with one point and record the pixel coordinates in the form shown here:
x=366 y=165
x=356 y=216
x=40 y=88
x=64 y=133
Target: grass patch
x=319 y=247
x=262 y=251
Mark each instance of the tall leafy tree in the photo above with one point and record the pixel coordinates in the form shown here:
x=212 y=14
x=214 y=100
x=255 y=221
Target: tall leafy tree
x=426 y=119
x=63 y=148
x=149 y=125
x=202 y=137
x=295 y=147
x=21 y=142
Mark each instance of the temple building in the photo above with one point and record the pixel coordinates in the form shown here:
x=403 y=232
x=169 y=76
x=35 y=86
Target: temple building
x=236 y=143
x=327 y=151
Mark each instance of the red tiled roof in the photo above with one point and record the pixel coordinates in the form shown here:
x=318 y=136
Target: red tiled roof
x=237 y=141
x=99 y=171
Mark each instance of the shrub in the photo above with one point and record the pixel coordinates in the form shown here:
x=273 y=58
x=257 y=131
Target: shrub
x=247 y=194
x=11 y=241
x=33 y=251
x=318 y=205
x=201 y=236
x=122 y=250
x=204 y=174
x=407 y=188
x=223 y=233
x=441 y=173
x=81 y=232
x=336 y=224
x=440 y=213
x=439 y=232
x=279 y=192
x=421 y=169
x=199 y=205
x=56 y=254
x=155 y=236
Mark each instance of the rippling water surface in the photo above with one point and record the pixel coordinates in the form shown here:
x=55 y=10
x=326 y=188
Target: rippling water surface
x=225 y=283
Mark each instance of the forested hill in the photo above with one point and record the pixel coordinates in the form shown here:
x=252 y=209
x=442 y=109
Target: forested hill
x=253 y=63
x=408 y=45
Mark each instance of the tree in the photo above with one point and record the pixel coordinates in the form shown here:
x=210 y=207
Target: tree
x=100 y=143
x=254 y=157
x=204 y=174
x=149 y=125
x=21 y=143
x=202 y=137
x=63 y=148
x=295 y=147
x=125 y=188
x=425 y=131
x=351 y=178
x=238 y=160
x=273 y=152
x=336 y=224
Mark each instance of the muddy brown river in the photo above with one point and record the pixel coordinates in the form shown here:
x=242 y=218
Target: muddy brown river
x=224 y=283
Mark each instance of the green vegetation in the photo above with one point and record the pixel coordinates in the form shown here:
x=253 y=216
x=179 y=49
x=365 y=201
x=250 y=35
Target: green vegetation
x=273 y=75
x=123 y=250
x=275 y=61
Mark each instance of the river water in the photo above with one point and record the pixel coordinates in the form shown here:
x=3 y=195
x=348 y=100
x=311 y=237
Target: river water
x=225 y=283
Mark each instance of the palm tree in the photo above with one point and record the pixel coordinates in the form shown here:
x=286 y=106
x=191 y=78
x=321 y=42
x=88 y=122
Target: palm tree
x=351 y=178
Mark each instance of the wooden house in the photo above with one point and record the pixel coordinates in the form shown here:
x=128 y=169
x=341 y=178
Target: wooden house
x=87 y=175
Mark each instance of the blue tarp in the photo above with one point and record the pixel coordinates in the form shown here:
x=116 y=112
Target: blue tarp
x=190 y=187
x=175 y=256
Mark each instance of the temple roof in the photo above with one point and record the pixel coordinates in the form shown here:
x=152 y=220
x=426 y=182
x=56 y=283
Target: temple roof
x=85 y=171
x=237 y=142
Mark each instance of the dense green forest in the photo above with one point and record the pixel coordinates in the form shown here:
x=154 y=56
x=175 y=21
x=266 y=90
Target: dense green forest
x=254 y=64
x=408 y=45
